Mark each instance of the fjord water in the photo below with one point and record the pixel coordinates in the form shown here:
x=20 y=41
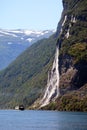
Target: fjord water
x=42 y=120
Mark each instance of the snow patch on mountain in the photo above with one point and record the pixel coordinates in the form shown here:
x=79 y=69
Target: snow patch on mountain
x=23 y=36
x=29 y=39
x=7 y=33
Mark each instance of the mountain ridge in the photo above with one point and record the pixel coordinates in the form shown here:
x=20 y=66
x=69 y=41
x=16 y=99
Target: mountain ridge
x=14 y=42
x=25 y=81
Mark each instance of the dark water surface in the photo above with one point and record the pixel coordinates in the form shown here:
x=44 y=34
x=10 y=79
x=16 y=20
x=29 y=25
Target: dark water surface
x=42 y=120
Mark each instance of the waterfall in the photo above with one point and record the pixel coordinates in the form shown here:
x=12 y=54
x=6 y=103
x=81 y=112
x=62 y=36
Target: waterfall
x=52 y=91
x=65 y=18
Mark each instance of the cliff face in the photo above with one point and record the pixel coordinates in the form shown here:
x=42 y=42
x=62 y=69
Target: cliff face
x=72 y=42
x=73 y=55
x=73 y=45
x=24 y=83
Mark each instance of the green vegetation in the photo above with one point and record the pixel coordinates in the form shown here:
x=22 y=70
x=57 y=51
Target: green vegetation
x=24 y=80
x=78 y=31
x=73 y=53
x=9 y=52
x=51 y=106
x=78 y=51
x=72 y=101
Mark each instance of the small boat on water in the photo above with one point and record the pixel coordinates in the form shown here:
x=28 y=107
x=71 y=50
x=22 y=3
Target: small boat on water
x=20 y=107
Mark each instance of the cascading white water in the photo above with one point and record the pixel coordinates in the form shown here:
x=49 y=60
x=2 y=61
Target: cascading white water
x=52 y=91
x=73 y=19
x=65 y=18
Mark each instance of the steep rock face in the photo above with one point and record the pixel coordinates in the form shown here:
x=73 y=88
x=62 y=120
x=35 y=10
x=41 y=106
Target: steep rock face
x=24 y=83
x=72 y=63
x=73 y=45
x=72 y=42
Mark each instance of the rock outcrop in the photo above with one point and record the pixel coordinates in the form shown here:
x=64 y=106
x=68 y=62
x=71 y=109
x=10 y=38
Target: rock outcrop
x=72 y=42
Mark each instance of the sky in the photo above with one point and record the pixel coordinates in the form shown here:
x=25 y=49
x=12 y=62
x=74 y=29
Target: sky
x=30 y=14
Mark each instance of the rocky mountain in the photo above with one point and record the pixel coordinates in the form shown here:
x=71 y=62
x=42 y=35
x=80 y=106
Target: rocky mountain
x=14 y=42
x=52 y=74
x=72 y=43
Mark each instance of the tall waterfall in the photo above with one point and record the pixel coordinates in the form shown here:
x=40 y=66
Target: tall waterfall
x=52 y=91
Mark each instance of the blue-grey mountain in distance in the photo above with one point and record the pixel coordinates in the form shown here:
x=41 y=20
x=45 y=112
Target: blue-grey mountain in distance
x=14 y=42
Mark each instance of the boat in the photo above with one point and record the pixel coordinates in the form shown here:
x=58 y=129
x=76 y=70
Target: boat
x=20 y=107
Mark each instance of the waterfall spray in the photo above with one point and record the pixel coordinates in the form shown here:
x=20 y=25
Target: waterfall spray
x=52 y=91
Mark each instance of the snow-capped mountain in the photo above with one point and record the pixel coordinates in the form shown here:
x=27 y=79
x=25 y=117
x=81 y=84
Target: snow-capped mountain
x=24 y=35
x=14 y=42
